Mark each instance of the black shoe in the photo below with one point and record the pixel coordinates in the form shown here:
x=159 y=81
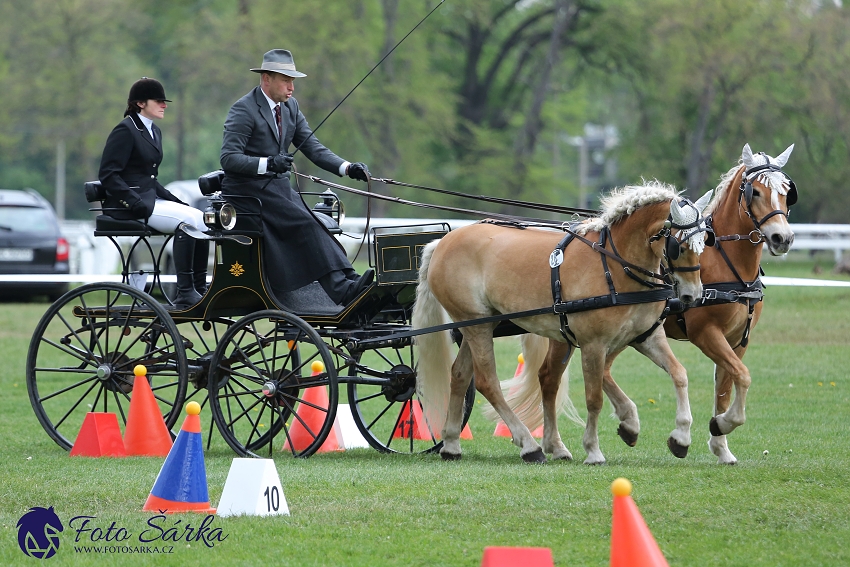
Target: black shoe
x=358 y=286
x=186 y=299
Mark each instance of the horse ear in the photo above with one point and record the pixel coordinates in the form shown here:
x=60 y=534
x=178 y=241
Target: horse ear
x=676 y=212
x=703 y=202
x=782 y=158
x=747 y=156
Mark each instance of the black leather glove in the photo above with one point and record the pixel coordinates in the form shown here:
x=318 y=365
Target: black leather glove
x=358 y=171
x=139 y=210
x=280 y=163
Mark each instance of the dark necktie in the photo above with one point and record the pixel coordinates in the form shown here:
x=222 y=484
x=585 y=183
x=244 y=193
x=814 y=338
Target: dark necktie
x=277 y=119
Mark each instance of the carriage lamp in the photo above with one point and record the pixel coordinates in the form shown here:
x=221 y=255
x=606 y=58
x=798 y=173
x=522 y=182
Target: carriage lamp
x=220 y=215
x=331 y=206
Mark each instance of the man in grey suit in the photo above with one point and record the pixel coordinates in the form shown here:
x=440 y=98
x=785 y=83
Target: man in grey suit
x=260 y=127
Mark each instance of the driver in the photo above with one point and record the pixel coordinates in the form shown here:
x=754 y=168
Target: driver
x=260 y=127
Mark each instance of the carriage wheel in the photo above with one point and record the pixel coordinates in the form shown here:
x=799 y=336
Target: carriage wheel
x=389 y=414
x=83 y=352
x=273 y=386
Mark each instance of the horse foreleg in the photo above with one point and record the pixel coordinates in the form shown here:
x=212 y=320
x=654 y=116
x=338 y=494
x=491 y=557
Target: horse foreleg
x=550 y=374
x=624 y=407
x=728 y=413
x=657 y=349
x=728 y=371
x=461 y=375
x=593 y=365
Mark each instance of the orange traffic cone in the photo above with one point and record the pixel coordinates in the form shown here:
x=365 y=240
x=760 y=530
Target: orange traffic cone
x=502 y=429
x=299 y=436
x=412 y=423
x=146 y=433
x=512 y=556
x=632 y=543
x=181 y=485
x=416 y=424
x=99 y=436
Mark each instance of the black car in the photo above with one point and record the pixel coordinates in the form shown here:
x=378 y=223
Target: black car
x=30 y=243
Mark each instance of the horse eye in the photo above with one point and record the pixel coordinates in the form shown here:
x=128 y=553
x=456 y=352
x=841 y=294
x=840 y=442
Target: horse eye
x=756 y=193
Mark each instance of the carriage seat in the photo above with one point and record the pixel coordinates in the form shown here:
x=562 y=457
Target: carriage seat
x=105 y=225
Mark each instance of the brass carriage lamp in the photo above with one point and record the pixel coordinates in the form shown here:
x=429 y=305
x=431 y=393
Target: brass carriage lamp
x=220 y=215
x=331 y=206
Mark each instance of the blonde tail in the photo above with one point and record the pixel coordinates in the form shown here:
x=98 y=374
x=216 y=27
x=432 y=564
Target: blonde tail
x=522 y=393
x=433 y=372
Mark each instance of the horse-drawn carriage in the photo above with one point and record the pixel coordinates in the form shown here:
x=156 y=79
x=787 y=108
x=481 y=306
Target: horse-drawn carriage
x=252 y=357
x=271 y=369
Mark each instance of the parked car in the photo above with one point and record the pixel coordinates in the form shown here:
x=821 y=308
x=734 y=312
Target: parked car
x=30 y=243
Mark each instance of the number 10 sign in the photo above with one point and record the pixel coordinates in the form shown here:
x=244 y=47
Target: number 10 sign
x=252 y=488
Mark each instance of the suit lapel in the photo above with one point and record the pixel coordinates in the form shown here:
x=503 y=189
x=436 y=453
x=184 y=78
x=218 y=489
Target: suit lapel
x=266 y=112
x=146 y=136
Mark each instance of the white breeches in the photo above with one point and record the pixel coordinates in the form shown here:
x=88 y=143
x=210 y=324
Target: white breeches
x=167 y=216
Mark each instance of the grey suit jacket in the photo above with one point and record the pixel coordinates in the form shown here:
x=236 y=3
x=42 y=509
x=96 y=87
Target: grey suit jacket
x=250 y=133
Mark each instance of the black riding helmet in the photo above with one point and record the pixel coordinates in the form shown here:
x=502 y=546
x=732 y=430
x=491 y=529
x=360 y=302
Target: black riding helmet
x=146 y=89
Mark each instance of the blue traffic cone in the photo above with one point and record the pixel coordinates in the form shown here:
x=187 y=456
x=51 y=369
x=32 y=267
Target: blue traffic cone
x=181 y=485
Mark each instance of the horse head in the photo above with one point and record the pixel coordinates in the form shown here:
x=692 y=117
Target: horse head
x=766 y=194
x=685 y=236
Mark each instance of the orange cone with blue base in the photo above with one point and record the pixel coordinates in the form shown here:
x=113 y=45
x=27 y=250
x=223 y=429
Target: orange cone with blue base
x=632 y=544
x=181 y=485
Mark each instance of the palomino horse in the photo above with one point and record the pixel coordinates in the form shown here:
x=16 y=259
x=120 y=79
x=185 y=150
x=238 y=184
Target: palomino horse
x=483 y=270
x=749 y=207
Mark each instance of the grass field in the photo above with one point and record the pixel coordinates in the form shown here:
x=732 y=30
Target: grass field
x=788 y=506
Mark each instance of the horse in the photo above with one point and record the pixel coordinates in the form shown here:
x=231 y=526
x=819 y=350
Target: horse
x=485 y=270
x=749 y=208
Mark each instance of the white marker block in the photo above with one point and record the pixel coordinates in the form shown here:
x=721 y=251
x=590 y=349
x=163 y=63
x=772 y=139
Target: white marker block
x=252 y=488
x=351 y=436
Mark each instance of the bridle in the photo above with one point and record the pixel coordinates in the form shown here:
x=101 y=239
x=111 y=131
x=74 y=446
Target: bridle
x=674 y=240
x=745 y=196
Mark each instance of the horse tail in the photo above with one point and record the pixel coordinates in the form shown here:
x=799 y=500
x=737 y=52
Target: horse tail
x=523 y=394
x=433 y=372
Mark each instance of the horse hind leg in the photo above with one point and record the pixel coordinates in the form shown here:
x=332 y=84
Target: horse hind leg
x=487 y=382
x=657 y=349
x=461 y=374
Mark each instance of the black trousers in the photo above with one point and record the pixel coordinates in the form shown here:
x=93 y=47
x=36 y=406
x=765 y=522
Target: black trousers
x=338 y=283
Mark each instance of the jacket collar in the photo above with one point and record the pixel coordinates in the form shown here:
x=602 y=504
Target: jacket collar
x=143 y=131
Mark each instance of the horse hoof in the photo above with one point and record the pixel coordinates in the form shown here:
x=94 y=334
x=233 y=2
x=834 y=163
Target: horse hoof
x=451 y=456
x=628 y=437
x=714 y=428
x=679 y=451
x=535 y=457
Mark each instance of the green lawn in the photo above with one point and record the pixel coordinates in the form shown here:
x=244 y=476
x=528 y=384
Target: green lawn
x=789 y=506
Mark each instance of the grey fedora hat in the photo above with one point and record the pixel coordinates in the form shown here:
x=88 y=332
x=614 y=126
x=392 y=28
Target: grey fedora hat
x=279 y=61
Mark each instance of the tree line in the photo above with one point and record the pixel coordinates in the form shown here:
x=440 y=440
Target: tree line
x=486 y=97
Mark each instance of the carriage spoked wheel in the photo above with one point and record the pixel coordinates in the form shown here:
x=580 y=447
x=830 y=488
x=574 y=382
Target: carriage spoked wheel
x=273 y=386
x=385 y=406
x=83 y=352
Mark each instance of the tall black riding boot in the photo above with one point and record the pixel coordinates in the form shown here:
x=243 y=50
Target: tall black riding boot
x=184 y=252
x=199 y=265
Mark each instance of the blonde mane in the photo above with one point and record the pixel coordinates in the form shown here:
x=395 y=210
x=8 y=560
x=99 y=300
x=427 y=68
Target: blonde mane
x=722 y=187
x=624 y=201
